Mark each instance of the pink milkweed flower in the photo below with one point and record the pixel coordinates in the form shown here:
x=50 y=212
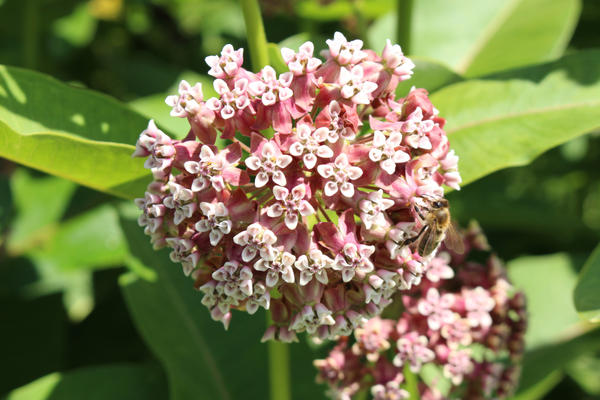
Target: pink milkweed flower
x=387 y=152
x=189 y=99
x=417 y=128
x=394 y=59
x=437 y=309
x=310 y=144
x=217 y=221
x=478 y=304
x=236 y=279
x=256 y=239
x=303 y=65
x=459 y=364
x=414 y=349
x=159 y=149
x=290 y=205
x=228 y=64
x=313 y=265
x=181 y=200
x=340 y=120
x=232 y=107
x=268 y=162
x=391 y=390
x=344 y=52
x=353 y=86
x=372 y=364
x=439 y=268
x=372 y=209
x=338 y=176
x=277 y=264
x=275 y=95
x=322 y=211
x=216 y=169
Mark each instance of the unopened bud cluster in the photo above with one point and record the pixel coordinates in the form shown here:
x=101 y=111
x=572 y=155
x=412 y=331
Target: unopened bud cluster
x=463 y=326
x=306 y=210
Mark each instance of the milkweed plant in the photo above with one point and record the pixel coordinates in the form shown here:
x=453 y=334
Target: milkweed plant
x=304 y=193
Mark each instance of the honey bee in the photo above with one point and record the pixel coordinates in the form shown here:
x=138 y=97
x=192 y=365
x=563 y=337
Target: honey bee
x=437 y=228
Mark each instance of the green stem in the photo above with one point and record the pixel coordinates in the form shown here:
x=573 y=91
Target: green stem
x=30 y=33
x=255 y=31
x=361 y=23
x=279 y=369
x=412 y=383
x=404 y=25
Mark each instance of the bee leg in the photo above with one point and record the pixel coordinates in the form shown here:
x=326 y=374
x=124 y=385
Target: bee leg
x=414 y=238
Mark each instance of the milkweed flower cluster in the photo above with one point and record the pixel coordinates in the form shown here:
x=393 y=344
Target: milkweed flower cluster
x=305 y=209
x=461 y=333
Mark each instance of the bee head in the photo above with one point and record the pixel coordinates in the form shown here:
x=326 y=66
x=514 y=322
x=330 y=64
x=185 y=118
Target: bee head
x=442 y=203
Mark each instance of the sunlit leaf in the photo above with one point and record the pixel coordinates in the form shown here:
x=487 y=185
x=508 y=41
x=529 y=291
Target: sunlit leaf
x=479 y=37
x=428 y=74
x=587 y=291
x=550 y=317
x=40 y=202
x=73 y=133
x=511 y=118
x=119 y=381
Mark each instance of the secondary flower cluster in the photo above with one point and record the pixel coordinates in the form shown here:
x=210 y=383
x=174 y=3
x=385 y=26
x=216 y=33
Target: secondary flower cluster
x=460 y=334
x=307 y=209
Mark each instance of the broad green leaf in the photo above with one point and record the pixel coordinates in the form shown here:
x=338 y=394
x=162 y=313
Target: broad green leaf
x=543 y=367
x=70 y=132
x=40 y=202
x=480 y=37
x=201 y=359
x=115 y=382
x=509 y=119
x=89 y=240
x=587 y=291
x=428 y=74
x=548 y=283
x=339 y=9
x=586 y=372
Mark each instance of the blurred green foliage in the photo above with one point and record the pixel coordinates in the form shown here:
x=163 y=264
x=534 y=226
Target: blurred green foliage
x=74 y=315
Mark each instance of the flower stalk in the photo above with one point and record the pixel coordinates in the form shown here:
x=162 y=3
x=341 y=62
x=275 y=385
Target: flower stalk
x=279 y=369
x=404 y=24
x=255 y=32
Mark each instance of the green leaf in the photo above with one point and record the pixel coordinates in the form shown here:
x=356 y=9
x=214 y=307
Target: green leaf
x=40 y=202
x=339 y=9
x=119 y=381
x=476 y=38
x=201 y=359
x=543 y=367
x=90 y=240
x=551 y=318
x=428 y=74
x=585 y=370
x=73 y=133
x=509 y=119
x=587 y=291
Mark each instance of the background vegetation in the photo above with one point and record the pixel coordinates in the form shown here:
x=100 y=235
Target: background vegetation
x=87 y=310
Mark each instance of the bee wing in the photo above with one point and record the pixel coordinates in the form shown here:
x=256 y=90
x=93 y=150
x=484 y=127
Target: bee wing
x=427 y=242
x=453 y=240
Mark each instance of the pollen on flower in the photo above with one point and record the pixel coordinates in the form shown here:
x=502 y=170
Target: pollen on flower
x=313 y=209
